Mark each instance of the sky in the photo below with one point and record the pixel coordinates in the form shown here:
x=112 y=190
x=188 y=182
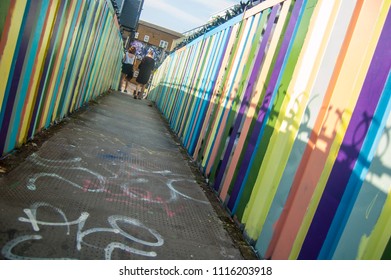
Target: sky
x=182 y=15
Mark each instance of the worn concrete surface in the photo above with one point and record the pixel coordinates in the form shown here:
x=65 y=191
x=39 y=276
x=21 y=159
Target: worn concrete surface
x=111 y=182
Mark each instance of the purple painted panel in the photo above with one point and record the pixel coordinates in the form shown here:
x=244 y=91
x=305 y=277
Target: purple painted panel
x=20 y=54
x=247 y=95
x=351 y=145
x=265 y=104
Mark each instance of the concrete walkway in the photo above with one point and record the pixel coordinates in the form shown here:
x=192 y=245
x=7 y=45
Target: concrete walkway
x=111 y=183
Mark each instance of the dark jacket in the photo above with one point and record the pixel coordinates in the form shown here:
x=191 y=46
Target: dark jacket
x=145 y=68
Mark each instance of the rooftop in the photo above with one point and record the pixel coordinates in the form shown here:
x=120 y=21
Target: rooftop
x=161 y=28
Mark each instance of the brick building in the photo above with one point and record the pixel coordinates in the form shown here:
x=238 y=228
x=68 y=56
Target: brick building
x=151 y=36
x=156 y=35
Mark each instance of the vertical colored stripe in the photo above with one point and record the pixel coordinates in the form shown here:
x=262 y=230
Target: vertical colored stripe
x=30 y=62
x=328 y=54
x=248 y=157
x=9 y=46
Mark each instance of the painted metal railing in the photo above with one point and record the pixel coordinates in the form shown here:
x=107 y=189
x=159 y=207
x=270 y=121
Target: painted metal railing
x=286 y=110
x=54 y=57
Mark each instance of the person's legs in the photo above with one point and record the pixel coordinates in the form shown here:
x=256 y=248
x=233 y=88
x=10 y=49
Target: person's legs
x=136 y=90
x=126 y=75
x=128 y=78
x=123 y=75
x=126 y=84
x=141 y=91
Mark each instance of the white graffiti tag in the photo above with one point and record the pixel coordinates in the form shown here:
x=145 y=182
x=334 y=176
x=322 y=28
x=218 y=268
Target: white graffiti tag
x=121 y=186
x=81 y=233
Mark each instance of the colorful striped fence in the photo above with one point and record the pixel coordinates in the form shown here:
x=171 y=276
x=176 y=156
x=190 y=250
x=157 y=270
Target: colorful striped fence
x=286 y=110
x=52 y=56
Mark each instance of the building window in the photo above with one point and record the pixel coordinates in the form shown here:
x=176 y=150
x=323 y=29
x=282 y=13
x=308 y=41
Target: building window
x=146 y=38
x=163 y=44
x=136 y=35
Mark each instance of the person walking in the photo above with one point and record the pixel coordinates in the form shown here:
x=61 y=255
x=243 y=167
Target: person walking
x=145 y=68
x=127 y=67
